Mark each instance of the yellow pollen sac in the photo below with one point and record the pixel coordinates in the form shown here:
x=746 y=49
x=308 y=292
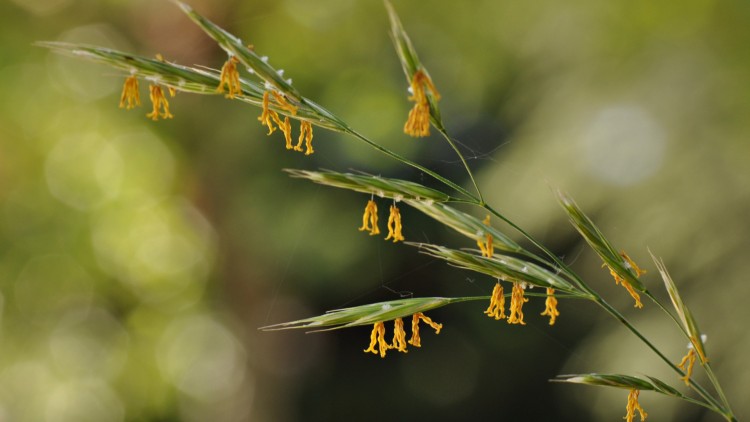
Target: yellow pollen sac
x=399 y=336
x=633 y=405
x=687 y=365
x=486 y=247
x=699 y=349
x=418 y=122
x=625 y=284
x=158 y=101
x=394 y=225
x=286 y=127
x=638 y=271
x=415 y=340
x=516 y=304
x=130 y=96
x=306 y=135
x=628 y=287
x=497 y=303
x=370 y=218
x=551 y=306
x=377 y=337
x=267 y=116
x=283 y=103
x=230 y=78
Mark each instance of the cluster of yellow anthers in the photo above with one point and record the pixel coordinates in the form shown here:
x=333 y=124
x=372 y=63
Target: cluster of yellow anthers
x=497 y=300
x=131 y=98
x=230 y=78
x=268 y=117
x=687 y=362
x=486 y=246
x=626 y=285
x=497 y=304
x=633 y=405
x=159 y=101
x=370 y=221
x=377 y=337
x=418 y=123
x=550 y=306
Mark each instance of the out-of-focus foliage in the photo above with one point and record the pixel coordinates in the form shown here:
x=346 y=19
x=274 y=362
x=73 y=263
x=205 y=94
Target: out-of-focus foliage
x=138 y=258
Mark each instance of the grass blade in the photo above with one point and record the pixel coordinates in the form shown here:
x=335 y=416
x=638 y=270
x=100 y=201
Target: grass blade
x=381 y=186
x=369 y=314
x=599 y=242
x=504 y=267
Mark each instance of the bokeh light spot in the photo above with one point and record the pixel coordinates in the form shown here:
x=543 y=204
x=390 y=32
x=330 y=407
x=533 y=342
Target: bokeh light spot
x=51 y=284
x=84 y=171
x=623 y=145
x=202 y=358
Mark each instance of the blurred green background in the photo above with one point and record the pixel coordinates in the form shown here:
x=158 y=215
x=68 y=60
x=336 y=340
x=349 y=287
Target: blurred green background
x=138 y=259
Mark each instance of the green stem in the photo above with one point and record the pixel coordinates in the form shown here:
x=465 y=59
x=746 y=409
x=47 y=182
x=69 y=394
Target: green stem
x=574 y=277
x=716 y=406
x=408 y=162
x=724 y=410
x=712 y=403
x=707 y=367
x=448 y=139
x=712 y=376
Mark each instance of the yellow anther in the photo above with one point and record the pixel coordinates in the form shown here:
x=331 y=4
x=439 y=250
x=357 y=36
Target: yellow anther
x=551 y=306
x=497 y=303
x=370 y=218
x=230 y=78
x=516 y=304
x=158 y=101
x=130 y=96
x=394 y=225
x=633 y=405
x=377 y=337
x=418 y=122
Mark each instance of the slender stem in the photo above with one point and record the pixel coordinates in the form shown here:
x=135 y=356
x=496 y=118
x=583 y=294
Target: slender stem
x=479 y=201
x=718 y=407
x=706 y=367
x=408 y=162
x=538 y=244
x=448 y=139
x=697 y=387
x=717 y=386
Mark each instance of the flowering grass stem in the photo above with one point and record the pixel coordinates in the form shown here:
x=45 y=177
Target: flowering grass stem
x=500 y=256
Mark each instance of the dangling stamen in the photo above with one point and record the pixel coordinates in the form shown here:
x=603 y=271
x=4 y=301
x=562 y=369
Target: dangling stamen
x=230 y=78
x=283 y=103
x=687 y=364
x=551 y=306
x=394 y=225
x=370 y=218
x=418 y=122
x=638 y=271
x=516 y=304
x=378 y=337
x=497 y=303
x=158 y=101
x=130 y=96
x=399 y=336
x=306 y=135
x=287 y=129
x=619 y=280
x=415 y=340
x=633 y=405
x=267 y=116
x=486 y=247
